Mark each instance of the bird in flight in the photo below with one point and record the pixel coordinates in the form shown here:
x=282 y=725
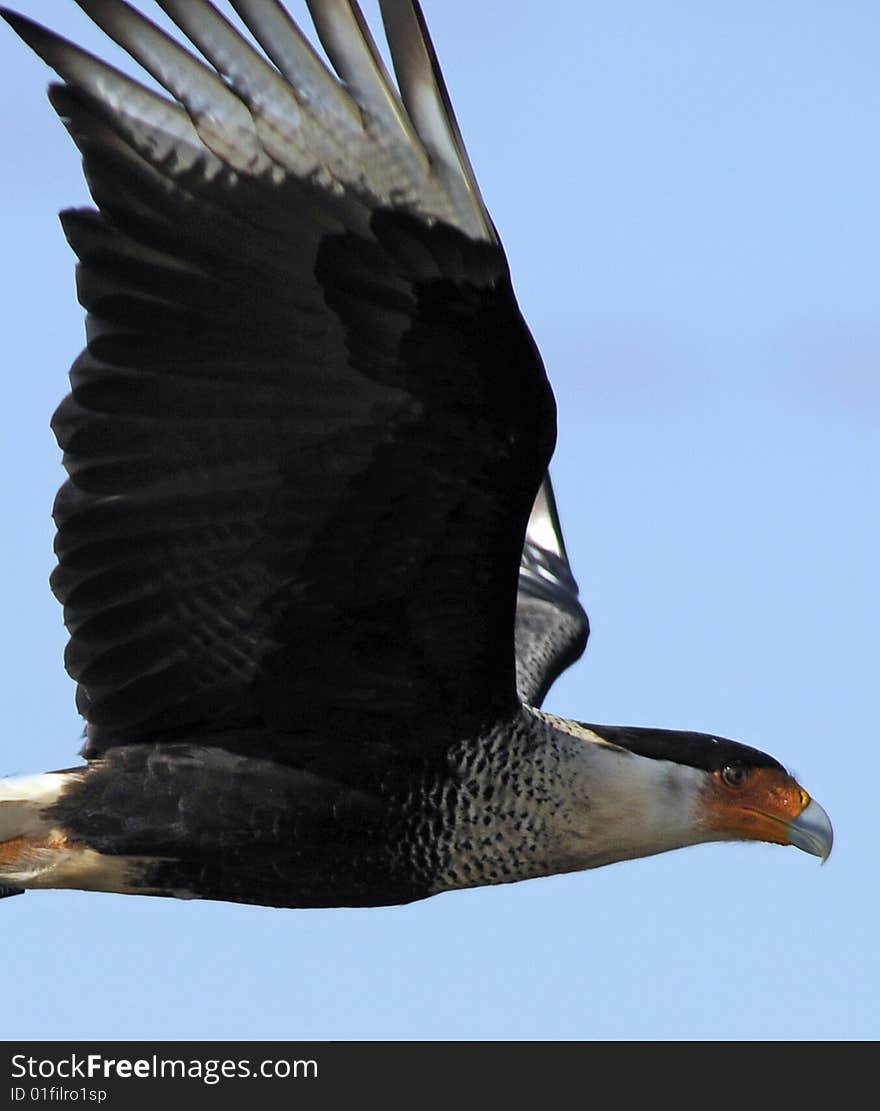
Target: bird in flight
x=308 y=550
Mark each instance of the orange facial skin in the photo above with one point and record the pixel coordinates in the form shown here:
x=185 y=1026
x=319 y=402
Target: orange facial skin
x=752 y=804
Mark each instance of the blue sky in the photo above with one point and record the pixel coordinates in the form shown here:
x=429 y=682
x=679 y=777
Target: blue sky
x=688 y=196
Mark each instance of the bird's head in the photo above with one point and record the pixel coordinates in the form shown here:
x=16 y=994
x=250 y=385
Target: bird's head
x=739 y=793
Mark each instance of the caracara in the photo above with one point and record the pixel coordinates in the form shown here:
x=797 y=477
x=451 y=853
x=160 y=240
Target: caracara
x=308 y=550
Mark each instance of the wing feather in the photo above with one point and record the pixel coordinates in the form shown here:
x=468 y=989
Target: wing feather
x=309 y=426
x=551 y=624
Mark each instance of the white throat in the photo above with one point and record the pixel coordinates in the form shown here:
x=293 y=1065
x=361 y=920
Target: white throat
x=624 y=805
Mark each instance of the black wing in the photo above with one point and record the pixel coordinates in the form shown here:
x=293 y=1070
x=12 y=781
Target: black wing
x=551 y=625
x=306 y=434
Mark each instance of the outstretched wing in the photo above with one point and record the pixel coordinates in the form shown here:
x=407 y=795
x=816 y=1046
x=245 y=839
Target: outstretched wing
x=306 y=434
x=551 y=625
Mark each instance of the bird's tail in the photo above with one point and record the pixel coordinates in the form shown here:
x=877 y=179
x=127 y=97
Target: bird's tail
x=29 y=839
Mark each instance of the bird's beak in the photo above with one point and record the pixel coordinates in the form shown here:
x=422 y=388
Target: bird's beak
x=771 y=806
x=811 y=831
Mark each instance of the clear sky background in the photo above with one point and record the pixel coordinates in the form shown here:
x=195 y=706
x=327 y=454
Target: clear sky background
x=688 y=193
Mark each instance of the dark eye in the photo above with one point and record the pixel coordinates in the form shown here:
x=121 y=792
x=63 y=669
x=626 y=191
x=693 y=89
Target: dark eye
x=735 y=775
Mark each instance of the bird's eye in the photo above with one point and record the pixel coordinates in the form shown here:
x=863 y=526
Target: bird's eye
x=735 y=775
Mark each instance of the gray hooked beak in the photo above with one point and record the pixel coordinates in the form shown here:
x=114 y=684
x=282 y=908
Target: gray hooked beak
x=811 y=831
